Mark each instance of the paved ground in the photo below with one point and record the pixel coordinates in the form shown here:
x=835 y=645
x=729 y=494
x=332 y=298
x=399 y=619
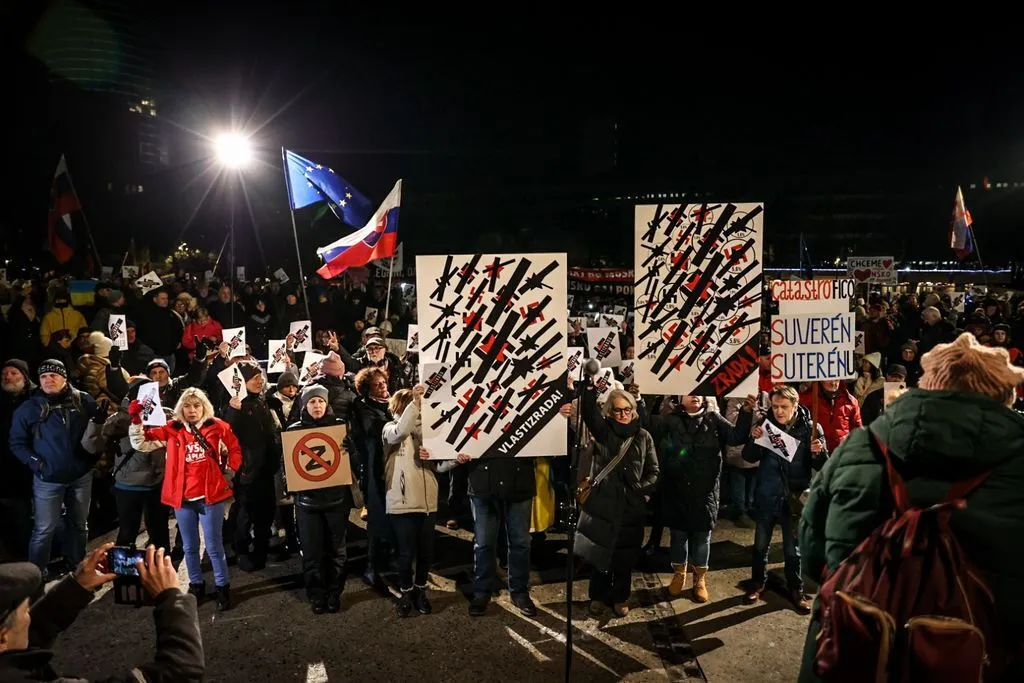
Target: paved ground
x=271 y=635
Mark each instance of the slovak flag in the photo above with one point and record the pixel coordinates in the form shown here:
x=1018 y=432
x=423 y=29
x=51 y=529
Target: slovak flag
x=63 y=202
x=378 y=240
x=961 y=237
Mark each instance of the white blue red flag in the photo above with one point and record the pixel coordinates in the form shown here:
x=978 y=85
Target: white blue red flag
x=63 y=202
x=961 y=235
x=378 y=240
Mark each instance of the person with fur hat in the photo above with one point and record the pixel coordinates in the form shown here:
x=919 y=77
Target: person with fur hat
x=255 y=496
x=201 y=450
x=16 y=386
x=322 y=515
x=870 y=379
x=957 y=424
x=100 y=371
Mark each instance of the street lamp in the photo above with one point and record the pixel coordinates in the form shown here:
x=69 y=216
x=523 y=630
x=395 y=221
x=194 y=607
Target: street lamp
x=233 y=153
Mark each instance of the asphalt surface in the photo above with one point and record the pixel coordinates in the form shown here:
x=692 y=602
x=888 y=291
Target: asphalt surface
x=271 y=635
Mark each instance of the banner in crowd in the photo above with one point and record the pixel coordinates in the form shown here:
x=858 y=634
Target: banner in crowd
x=873 y=270
x=152 y=410
x=609 y=281
x=603 y=346
x=412 y=341
x=813 y=347
x=234 y=337
x=697 y=298
x=278 y=356
x=812 y=296
x=499 y=322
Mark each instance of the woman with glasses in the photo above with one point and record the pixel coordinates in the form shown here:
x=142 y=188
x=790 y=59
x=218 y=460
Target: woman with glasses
x=611 y=525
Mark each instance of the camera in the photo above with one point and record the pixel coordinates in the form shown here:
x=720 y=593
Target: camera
x=121 y=560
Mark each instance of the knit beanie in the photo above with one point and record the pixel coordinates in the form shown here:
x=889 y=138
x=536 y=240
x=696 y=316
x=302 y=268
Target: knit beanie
x=53 y=366
x=158 y=363
x=19 y=365
x=311 y=391
x=100 y=344
x=248 y=370
x=287 y=379
x=333 y=365
x=113 y=296
x=966 y=365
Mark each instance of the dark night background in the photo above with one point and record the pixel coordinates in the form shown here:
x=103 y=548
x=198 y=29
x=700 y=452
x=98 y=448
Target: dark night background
x=510 y=136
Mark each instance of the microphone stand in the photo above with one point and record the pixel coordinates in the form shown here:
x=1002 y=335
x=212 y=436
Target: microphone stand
x=572 y=514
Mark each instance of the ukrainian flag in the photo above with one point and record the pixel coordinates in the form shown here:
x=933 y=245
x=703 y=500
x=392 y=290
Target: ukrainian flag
x=83 y=292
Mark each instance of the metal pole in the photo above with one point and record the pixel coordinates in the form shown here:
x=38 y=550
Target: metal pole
x=231 y=273
x=387 y=301
x=295 y=233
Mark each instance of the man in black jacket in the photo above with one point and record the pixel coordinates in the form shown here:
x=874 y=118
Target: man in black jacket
x=27 y=633
x=15 y=476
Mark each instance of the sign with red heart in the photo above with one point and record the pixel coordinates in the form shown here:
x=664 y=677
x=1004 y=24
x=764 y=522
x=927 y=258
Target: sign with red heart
x=875 y=270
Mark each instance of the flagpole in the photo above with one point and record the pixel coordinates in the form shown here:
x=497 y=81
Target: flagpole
x=295 y=233
x=387 y=301
x=85 y=221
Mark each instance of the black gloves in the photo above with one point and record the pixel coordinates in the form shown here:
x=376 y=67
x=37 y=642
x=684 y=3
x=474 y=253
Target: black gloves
x=114 y=357
x=100 y=411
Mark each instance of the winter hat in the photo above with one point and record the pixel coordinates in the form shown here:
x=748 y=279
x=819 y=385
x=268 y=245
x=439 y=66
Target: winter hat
x=130 y=324
x=158 y=363
x=333 y=365
x=909 y=345
x=875 y=359
x=19 y=365
x=311 y=391
x=966 y=365
x=1002 y=327
x=896 y=369
x=113 y=296
x=248 y=370
x=54 y=366
x=375 y=341
x=100 y=344
x=287 y=379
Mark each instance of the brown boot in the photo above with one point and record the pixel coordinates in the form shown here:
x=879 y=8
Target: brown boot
x=700 y=588
x=678 y=585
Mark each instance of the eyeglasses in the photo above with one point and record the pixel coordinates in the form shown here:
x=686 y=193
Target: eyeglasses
x=622 y=411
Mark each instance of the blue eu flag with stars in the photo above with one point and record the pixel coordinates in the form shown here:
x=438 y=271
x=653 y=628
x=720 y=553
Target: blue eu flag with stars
x=310 y=182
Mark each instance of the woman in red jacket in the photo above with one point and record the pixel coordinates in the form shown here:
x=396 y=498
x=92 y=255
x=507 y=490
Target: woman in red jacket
x=201 y=327
x=200 y=448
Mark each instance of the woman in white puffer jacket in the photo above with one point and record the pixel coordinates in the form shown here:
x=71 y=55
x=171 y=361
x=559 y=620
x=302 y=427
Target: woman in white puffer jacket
x=411 y=497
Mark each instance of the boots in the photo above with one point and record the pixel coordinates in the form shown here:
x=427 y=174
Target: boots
x=700 y=588
x=223 y=598
x=678 y=585
x=198 y=590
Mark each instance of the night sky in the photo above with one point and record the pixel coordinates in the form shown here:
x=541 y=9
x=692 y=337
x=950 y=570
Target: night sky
x=510 y=104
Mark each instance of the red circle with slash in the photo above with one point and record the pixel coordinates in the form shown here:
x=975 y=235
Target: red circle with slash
x=303 y=448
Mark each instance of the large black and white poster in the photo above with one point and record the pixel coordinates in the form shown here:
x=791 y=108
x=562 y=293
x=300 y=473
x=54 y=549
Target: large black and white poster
x=498 y=322
x=698 y=298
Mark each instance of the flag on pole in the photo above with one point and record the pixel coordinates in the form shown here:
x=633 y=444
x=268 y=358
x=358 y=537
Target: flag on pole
x=378 y=240
x=63 y=202
x=310 y=182
x=961 y=234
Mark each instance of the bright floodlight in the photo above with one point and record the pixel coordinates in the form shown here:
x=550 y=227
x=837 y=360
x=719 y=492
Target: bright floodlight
x=233 y=150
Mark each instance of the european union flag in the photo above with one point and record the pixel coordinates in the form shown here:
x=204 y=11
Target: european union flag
x=310 y=182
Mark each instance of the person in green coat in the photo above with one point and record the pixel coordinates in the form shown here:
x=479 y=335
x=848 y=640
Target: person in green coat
x=956 y=425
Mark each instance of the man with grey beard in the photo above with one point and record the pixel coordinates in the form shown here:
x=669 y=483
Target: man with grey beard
x=15 y=477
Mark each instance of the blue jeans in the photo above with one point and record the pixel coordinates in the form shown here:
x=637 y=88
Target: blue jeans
x=48 y=498
x=763 y=542
x=487 y=515
x=692 y=548
x=189 y=517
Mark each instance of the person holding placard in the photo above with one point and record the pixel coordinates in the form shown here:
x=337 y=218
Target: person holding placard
x=322 y=516
x=787 y=452
x=200 y=449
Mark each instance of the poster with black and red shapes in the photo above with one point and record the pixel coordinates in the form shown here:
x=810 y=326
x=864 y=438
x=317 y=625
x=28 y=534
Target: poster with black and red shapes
x=697 y=298
x=498 y=322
